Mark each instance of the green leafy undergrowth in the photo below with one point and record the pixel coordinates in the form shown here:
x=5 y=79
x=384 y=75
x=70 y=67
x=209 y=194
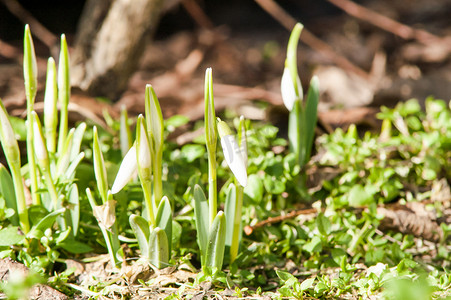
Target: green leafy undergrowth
x=338 y=250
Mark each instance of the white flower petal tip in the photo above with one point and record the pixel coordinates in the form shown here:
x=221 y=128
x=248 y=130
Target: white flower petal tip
x=127 y=171
x=288 y=90
x=234 y=159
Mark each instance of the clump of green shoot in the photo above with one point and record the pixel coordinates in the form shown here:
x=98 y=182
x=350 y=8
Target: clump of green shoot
x=153 y=229
x=235 y=154
x=210 y=224
x=303 y=114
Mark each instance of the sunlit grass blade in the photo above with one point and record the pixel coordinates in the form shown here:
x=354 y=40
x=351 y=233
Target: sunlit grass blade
x=50 y=106
x=63 y=92
x=30 y=72
x=125 y=135
x=30 y=68
x=229 y=211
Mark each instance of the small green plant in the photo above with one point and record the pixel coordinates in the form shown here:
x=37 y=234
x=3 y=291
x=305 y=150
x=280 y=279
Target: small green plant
x=303 y=114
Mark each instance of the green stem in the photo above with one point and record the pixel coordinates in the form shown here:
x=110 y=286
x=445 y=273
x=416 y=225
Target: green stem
x=236 y=235
x=147 y=189
x=212 y=187
x=51 y=188
x=157 y=178
x=359 y=237
x=20 y=197
x=32 y=168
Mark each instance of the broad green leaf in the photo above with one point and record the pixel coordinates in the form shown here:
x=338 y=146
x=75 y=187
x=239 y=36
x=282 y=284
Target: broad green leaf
x=176 y=121
x=201 y=217
x=314 y=245
x=45 y=223
x=191 y=152
x=141 y=229
x=10 y=236
x=164 y=220
x=358 y=196
x=254 y=188
x=311 y=115
x=307 y=284
x=229 y=210
x=284 y=276
x=323 y=224
x=158 y=248
x=216 y=242
x=7 y=192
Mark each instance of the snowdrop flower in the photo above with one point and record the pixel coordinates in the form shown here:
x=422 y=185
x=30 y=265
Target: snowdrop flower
x=127 y=171
x=232 y=153
x=290 y=92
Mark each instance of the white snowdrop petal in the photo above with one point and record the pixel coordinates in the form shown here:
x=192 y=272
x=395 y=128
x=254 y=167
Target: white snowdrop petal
x=288 y=90
x=39 y=146
x=127 y=171
x=234 y=159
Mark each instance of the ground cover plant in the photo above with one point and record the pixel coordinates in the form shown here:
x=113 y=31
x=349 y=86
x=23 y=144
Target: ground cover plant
x=129 y=192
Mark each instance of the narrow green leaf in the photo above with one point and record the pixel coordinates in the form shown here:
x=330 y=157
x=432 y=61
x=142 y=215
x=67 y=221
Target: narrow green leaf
x=50 y=105
x=229 y=210
x=30 y=69
x=159 y=248
x=311 y=115
x=164 y=220
x=77 y=140
x=63 y=91
x=154 y=117
x=65 y=154
x=210 y=116
x=75 y=247
x=7 y=192
x=99 y=168
x=216 y=242
x=141 y=230
x=74 y=208
x=125 y=135
x=202 y=221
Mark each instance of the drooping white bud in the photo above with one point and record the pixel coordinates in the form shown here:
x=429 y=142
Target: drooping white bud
x=127 y=171
x=288 y=89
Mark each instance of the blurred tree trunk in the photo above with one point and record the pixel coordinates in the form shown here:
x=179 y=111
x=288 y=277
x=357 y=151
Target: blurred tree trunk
x=110 y=39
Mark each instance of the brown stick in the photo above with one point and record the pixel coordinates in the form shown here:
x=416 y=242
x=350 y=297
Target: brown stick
x=42 y=33
x=287 y=21
x=196 y=12
x=272 y=220
x=384 y=22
